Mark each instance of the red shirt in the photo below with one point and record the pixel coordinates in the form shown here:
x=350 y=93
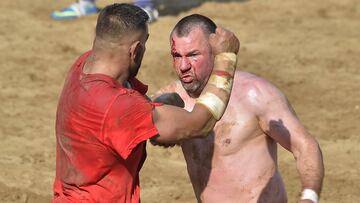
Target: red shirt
x=101 y=132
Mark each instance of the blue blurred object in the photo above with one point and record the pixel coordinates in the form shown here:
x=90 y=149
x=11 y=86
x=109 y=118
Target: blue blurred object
x=75 y=10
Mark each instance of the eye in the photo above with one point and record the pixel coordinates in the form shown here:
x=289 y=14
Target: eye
x=175 y=55
x=192 y=54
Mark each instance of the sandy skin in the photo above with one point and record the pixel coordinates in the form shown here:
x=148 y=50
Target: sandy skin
x=237 y=161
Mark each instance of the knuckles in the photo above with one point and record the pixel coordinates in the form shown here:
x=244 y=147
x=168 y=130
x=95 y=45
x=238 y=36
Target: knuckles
x=224 y=41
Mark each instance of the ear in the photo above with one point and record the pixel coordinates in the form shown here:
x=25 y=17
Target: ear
x=135 y=51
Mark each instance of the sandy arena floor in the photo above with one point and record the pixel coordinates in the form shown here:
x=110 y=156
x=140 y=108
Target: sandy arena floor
x=309 y=49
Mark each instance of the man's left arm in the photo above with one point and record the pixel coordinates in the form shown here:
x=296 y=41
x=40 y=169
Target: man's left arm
x=279 y=121
x=167 y=95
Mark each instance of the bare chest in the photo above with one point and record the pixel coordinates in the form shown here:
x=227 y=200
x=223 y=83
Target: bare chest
x=236 y=128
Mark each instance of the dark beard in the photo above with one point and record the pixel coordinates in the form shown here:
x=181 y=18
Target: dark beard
x=133 y=71
x=192 y=89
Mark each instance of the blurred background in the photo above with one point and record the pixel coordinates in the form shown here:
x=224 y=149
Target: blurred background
x=309 y=49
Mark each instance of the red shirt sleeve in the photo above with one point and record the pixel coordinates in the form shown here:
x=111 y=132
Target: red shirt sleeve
x=128 y=123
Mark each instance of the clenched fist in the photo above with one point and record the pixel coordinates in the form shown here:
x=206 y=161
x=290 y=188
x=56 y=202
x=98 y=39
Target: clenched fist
x=223 y=41
x=170 y=99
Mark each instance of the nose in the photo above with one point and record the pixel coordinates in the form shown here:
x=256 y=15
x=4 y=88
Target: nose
x=185 y=64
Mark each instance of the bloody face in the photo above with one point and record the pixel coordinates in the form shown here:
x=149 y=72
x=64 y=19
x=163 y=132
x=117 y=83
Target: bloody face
x=192 y=60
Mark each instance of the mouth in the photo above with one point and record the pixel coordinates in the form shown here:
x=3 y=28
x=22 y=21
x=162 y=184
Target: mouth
x=186 y=78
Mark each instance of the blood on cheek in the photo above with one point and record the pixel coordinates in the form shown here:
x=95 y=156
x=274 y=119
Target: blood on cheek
x=173 y=50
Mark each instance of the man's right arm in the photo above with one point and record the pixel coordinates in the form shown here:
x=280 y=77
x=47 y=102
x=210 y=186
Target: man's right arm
x=175 y=124
x=279 y=121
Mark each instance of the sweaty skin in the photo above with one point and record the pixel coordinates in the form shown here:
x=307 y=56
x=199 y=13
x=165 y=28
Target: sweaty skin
x=237 y=162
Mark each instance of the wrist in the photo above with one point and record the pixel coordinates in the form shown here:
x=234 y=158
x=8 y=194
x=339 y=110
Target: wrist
x=217 y=92
x=310 y=194
x=225 y=61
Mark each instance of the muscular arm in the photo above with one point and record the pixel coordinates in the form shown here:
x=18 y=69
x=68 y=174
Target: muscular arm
x=175 y=124
x=279 y=121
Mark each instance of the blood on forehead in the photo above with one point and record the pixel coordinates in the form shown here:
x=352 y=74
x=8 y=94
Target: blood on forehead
x=173 y=46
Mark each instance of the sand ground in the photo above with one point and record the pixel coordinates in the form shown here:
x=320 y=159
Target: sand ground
x=309 y=49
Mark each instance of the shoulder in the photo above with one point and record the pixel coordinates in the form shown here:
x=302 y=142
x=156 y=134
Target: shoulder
x=129 y=106
x=249 y=83
x=255 y=90
x=130 y=98
x=174 y=86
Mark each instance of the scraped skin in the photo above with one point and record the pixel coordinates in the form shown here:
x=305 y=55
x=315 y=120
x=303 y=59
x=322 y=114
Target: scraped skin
x=237 y=161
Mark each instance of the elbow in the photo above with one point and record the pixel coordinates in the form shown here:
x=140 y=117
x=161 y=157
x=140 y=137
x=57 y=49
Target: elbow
x=308 y=148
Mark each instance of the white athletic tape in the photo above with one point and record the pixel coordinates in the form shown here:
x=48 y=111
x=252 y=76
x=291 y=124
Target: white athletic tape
x=221 y=82
x=215 y=105
x=230 y=64
x=310 y=194
x=229 y=55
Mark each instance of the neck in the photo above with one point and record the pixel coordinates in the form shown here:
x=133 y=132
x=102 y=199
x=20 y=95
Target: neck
x=111 y=61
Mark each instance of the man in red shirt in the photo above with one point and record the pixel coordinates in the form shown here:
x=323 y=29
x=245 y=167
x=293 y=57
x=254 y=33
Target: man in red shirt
x=103 y=118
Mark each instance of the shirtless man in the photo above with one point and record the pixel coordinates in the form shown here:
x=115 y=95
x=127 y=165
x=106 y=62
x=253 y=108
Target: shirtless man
x=237 y=162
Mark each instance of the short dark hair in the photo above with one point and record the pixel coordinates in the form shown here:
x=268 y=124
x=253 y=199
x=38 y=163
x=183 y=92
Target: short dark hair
x=117 y=20
x=188 y=23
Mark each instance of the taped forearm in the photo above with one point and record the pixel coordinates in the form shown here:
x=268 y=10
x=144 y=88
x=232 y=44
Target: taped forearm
x=216 y=93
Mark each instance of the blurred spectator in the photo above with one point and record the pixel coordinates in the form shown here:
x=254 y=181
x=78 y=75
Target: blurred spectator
x=88 y=7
